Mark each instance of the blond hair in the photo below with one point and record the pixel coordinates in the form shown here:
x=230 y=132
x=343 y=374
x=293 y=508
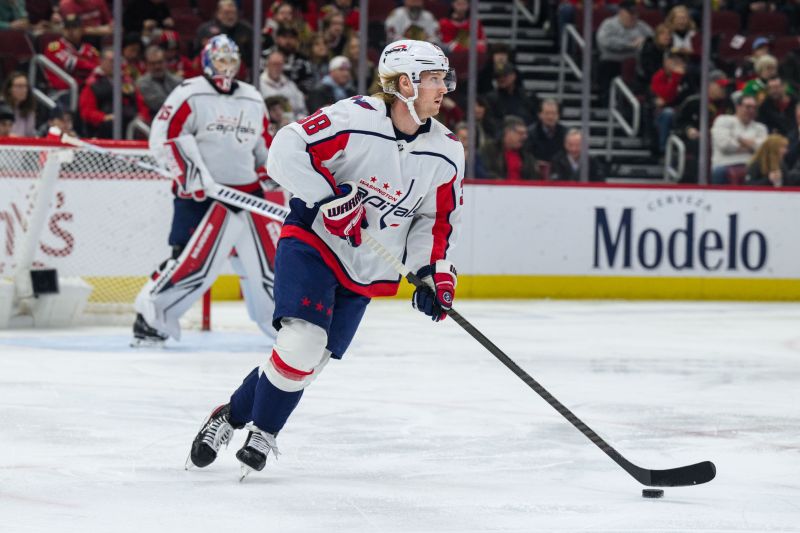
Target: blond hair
x=768 y=155
x=670 y=20
x=387 y=83
x=764 y=62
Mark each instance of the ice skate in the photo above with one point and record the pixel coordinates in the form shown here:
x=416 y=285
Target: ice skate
x=215 y=431
x=146 y=336
x=253 y=455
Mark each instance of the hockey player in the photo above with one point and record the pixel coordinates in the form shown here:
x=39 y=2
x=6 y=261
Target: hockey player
x=211 y=127
x=380 y=162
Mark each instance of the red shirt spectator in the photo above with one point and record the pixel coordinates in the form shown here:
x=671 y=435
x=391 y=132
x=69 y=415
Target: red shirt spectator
x=666 y=81
x=93 y=14
x=513 y=165
x=177 y=63
x=455 y=30
x=345 y=7
x=97 y=99
x=68 y=52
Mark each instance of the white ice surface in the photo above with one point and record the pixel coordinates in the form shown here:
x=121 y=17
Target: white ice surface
x=418 y=428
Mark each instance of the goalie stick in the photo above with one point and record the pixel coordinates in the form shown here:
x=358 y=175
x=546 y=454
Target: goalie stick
x=214 y=190
x=694 y=474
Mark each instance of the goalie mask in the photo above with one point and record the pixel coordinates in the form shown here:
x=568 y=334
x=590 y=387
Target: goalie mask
x=412 y=58
x=220 y=61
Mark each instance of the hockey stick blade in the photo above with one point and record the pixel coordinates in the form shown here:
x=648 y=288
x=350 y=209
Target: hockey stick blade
x=682 y=476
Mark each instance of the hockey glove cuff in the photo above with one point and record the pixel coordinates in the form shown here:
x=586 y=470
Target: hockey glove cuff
x=436 y=297
x=344 y=214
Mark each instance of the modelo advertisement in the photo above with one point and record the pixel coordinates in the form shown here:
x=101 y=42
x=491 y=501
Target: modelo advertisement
x=518 y=230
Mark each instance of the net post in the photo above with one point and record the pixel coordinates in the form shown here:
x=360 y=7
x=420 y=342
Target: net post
x=206 y=311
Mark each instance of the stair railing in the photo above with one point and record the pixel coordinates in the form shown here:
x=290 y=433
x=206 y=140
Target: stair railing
x=618 y=87
x=43 y=99
x=40 y=60
x=137 y=125
x=568 y=36
x=518 y=7
x=675 y=152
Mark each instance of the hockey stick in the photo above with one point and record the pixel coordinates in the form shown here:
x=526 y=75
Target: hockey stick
x=694 y=474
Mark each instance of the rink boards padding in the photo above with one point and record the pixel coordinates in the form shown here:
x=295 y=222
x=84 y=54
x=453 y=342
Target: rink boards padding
x=109 y=223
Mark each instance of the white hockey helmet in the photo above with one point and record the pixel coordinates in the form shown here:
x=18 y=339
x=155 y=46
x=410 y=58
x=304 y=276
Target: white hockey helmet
x=412 y=58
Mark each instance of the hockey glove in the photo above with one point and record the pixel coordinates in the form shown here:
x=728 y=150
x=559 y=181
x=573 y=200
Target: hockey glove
x=436 y=301
x=185 y=165
x=344 y=214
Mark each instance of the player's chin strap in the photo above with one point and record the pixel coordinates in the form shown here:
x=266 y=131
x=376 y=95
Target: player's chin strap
x=410 y=103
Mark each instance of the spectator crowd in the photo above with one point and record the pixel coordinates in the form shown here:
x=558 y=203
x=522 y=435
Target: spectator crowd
x=309 y=59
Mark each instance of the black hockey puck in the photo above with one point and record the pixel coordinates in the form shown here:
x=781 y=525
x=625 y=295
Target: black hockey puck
x=652 y=493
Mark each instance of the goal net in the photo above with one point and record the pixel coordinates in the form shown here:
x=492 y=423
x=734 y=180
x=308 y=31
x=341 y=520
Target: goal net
x=102 y=220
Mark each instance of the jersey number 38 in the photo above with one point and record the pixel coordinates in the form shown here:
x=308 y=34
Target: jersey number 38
x=314 y=122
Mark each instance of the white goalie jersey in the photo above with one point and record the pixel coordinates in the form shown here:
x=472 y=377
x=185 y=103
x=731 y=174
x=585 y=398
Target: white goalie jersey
x=411 y=186
x=230 y=129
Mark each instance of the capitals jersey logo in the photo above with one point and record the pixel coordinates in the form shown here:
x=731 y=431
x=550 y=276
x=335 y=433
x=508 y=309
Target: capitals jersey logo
x=230 y=125
x=391 y=201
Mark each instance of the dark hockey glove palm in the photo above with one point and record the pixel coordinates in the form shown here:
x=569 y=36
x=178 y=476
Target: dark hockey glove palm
x=435 y=302
x=344 y=214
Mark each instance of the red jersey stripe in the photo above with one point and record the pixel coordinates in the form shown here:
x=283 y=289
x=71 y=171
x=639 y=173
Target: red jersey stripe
x=380 y=288
x=442 y=228
x=178 y=120
x=265 y=134
x=325 y=150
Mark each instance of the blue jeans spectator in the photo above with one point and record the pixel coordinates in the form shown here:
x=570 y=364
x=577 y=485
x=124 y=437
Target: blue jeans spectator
x=664 y=119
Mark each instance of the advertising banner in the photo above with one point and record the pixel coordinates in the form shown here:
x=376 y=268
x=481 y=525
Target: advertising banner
x=516 y=240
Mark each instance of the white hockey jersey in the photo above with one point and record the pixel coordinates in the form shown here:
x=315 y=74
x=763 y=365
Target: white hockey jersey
x=230 y=129
x=412 y=188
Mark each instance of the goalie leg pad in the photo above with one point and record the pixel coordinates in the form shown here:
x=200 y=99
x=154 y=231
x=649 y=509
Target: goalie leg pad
x=254 y=263
x=182 y=281
x=298 y=357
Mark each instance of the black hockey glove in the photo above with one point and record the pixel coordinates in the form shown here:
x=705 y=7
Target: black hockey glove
x=436 y=302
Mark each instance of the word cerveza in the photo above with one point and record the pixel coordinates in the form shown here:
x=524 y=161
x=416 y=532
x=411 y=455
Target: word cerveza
x=685 y=247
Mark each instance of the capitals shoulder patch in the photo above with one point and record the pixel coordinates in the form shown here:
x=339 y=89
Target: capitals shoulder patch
x=359 y=101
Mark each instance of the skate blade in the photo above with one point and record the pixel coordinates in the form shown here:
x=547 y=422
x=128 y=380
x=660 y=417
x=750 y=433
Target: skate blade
x=244 y=471
x=146 y=343
x=189 y=465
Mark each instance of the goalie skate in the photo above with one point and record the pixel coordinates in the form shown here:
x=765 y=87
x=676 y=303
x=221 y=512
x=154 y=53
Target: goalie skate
x=215 y=431
x=145 y=336
x=253 y=455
